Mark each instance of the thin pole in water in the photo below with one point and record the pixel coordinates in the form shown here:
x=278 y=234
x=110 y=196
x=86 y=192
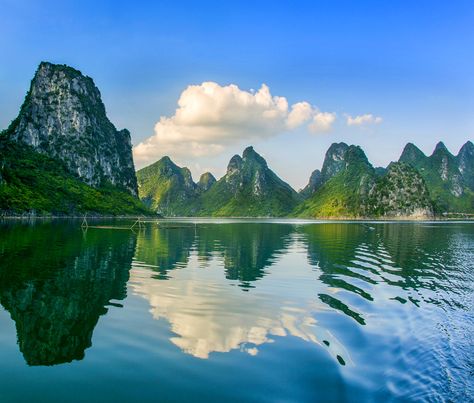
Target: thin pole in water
x=139 y=222
x=84 y=222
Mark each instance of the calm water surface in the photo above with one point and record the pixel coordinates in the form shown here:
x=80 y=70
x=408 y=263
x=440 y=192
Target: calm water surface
x=236 y=311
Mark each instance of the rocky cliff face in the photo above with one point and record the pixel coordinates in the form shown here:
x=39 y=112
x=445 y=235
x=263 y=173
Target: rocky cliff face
x=63 y=117
x=334 y=161
x=401 y=192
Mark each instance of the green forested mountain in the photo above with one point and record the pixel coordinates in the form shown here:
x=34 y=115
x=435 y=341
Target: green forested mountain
x=249 y=188
x=416 y=186
x=31 y=182
x=351 y=187
x=347 y=186
x=400 y=191
x=449 y=178
x=62 y=154
x=166 y=188
x=347 y=177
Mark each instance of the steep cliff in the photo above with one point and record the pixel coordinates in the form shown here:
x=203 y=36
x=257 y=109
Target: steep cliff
x=314 y=183
x=63 y=117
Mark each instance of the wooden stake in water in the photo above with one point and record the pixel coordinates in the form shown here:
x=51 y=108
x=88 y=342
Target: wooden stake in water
x=84 y=222
x=139 y=222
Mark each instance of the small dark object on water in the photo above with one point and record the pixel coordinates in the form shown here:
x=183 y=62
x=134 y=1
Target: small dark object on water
x=341 y=360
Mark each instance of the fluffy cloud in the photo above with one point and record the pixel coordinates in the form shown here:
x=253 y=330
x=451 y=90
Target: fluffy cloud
x=367 y=119
x=210 y=117
x=322 y=122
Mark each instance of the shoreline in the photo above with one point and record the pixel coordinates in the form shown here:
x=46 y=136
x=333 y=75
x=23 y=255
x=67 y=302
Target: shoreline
x=210 y=218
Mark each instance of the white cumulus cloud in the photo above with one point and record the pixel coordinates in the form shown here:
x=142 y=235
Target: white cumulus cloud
x=366 y=119
x=210 y=117
x=322 y=122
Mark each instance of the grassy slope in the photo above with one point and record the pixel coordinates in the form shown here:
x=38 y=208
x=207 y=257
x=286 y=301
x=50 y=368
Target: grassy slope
x=32 y=181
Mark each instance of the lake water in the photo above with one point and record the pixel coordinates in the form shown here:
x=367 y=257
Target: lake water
x=236 y=310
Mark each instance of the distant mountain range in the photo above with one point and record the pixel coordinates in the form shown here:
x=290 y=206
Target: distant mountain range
x=347 y=186
x=62 y=155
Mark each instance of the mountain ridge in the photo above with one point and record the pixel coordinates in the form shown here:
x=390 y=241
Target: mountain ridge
x=347 y=186
x=62 y=155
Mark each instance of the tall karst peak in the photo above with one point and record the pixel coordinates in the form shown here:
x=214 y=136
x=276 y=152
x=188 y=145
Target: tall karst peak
x=235 y=163
x=411 y=154
x=249 y=188
x=63 y=117
x=465 y=160
x=250 y=154
x=166 y=188
x=441 y=149
x=467 y=149
x=355 y=154
x=334 y=160
x=206 y=181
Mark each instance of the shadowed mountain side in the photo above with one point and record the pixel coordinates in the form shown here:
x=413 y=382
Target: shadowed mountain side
x=62 y=287
x=168 y=189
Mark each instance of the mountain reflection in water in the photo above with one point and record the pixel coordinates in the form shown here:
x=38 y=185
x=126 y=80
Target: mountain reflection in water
x=56 y=281
x=370 y=295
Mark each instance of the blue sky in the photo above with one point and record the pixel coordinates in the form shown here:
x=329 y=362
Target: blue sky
x=409 y=63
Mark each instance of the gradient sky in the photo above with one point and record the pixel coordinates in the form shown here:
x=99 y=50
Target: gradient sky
x=411 y=63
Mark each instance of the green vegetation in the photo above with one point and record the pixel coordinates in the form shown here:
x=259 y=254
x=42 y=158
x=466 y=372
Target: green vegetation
x=344 y=194
x=166 y=188
x=219 y=201
x=448 y=189
x=33 y=182
x=249 y=189
x=400 y=191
